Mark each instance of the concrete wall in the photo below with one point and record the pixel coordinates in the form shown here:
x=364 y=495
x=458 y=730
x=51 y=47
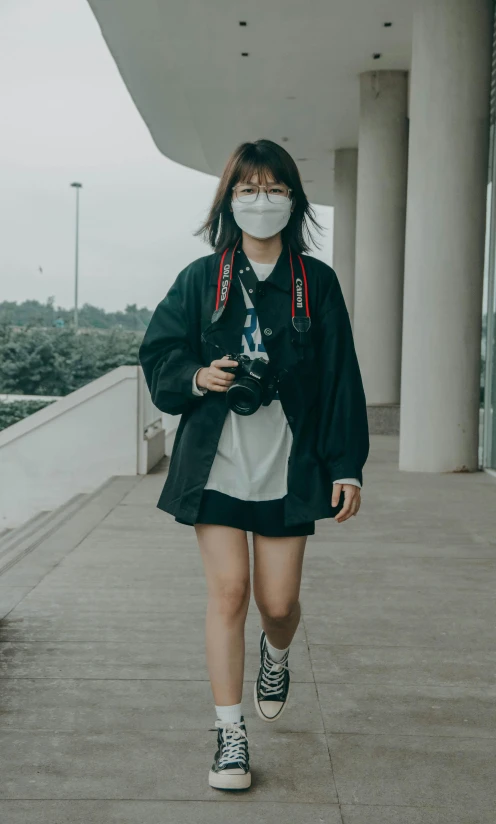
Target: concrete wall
x=73 y=446
x=344 y=227
x=380 y=232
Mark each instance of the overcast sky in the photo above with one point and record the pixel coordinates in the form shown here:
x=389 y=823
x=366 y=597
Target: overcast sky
x=67 y=116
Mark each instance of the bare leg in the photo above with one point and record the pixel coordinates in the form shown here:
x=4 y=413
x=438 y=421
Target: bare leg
x=277 y=568
x=226 y=562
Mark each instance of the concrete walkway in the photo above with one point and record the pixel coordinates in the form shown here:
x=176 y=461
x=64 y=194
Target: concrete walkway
x=104 y=696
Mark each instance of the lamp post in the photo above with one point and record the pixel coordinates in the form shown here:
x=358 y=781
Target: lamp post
x=77 y=187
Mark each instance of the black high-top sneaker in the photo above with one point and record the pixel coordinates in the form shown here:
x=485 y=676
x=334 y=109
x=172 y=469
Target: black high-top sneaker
x=231 y=767
x=271 y=689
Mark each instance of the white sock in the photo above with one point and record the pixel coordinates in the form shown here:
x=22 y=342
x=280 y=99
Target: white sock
x=229 y=712
x=276 y=654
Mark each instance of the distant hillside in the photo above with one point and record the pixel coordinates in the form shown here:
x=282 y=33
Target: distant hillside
x=34 y=313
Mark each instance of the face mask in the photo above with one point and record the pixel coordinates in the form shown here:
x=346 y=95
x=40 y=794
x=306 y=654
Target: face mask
x=263 y=218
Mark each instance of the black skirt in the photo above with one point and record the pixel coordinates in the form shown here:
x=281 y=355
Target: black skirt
x=263 y=517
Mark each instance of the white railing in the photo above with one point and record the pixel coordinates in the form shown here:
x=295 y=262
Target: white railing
x=151 y=445
x=108 y=427
x=14 y=398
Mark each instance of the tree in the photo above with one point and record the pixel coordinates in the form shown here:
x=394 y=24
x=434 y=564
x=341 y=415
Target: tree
x=56 y=361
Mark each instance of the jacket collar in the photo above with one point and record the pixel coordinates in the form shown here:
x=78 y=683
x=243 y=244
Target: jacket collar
x=280 y=277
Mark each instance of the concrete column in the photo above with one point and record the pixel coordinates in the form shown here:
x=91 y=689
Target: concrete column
x=449 y=106
x=344 y=234
x=380 y=232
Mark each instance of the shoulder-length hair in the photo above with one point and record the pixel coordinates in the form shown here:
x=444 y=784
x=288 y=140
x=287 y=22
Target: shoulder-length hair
x=263 y=157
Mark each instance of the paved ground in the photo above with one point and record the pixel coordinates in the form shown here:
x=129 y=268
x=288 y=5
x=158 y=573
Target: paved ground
x=105 y=703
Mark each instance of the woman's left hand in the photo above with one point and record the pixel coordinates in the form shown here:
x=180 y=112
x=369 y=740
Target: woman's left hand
x=352 y=500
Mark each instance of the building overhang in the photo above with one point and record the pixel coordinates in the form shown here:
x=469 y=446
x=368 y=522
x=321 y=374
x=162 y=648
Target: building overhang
x=184 y=65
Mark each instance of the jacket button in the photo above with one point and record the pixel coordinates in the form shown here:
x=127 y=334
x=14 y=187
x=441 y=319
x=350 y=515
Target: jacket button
x=268 y=331
x=290 y=419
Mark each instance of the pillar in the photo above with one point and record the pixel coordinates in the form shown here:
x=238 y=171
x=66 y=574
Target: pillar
x=380 y=232
x=449 y=108
x=345 y=195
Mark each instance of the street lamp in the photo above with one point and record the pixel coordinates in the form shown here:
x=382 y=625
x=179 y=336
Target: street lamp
x=77 y=187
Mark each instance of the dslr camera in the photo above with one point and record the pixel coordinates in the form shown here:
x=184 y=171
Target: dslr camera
x=254 y=385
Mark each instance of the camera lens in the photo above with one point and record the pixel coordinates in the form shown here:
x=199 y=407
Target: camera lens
x=245 y=396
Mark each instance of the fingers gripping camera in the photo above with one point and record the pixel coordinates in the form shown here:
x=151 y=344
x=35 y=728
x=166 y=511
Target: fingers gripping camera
x=254 y=385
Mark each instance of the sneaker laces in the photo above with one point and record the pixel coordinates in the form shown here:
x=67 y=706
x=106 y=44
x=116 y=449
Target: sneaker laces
x=234 y=740
x=272 y=680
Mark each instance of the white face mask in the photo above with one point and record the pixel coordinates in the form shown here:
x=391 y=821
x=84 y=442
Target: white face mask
x=263 y=218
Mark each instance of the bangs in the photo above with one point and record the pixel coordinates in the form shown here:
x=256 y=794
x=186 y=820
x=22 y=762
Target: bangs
x=265 y=164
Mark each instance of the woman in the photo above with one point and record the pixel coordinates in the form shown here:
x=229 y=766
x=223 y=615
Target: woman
x=267 y=454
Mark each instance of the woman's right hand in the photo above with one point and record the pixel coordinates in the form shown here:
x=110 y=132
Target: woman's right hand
x=214 y=378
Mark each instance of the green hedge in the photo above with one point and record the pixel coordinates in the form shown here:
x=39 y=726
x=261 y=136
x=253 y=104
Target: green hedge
x=15 y=411
x=48 y=361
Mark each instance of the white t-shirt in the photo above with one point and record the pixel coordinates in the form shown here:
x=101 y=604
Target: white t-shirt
x=251 y=461
x=252 y=455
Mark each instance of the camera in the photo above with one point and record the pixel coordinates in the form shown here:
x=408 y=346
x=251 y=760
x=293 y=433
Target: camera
x=254 y=385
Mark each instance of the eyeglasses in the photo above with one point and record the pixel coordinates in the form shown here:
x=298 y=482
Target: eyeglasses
x=248 y=192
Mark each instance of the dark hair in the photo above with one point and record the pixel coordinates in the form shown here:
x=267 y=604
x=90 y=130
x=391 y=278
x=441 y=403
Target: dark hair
x=261 y=157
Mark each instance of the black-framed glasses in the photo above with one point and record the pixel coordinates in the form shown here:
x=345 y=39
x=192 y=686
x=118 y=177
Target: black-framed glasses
x=249 y=192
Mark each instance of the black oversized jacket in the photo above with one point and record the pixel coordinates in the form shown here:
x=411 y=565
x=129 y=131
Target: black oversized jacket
x=321 y=390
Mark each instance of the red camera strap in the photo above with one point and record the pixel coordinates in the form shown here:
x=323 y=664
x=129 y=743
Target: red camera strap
x=224 y=281
x=300 y=305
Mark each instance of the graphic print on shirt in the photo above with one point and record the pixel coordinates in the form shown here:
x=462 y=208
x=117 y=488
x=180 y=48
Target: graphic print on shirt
x=251 y=346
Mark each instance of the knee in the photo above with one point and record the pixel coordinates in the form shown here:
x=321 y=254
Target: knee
x=231 y=597
x=278 y=611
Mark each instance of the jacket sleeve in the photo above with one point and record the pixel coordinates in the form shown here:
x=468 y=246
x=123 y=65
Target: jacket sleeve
x=343 y=433
x=197 y=390
x=166 y=352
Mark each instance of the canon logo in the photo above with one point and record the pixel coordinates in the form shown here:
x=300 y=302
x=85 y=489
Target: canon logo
x=299 y=293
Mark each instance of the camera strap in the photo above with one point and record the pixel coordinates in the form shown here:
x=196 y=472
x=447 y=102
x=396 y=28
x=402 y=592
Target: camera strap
x=224 y=281
x=300 y=306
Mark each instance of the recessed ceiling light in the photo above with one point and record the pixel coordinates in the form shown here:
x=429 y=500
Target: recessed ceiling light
x=301 y=159
x=290 y=97
x=387 y=25
x=284 y=139
x=243 y=23
x=245 y=54
x=377 y=56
